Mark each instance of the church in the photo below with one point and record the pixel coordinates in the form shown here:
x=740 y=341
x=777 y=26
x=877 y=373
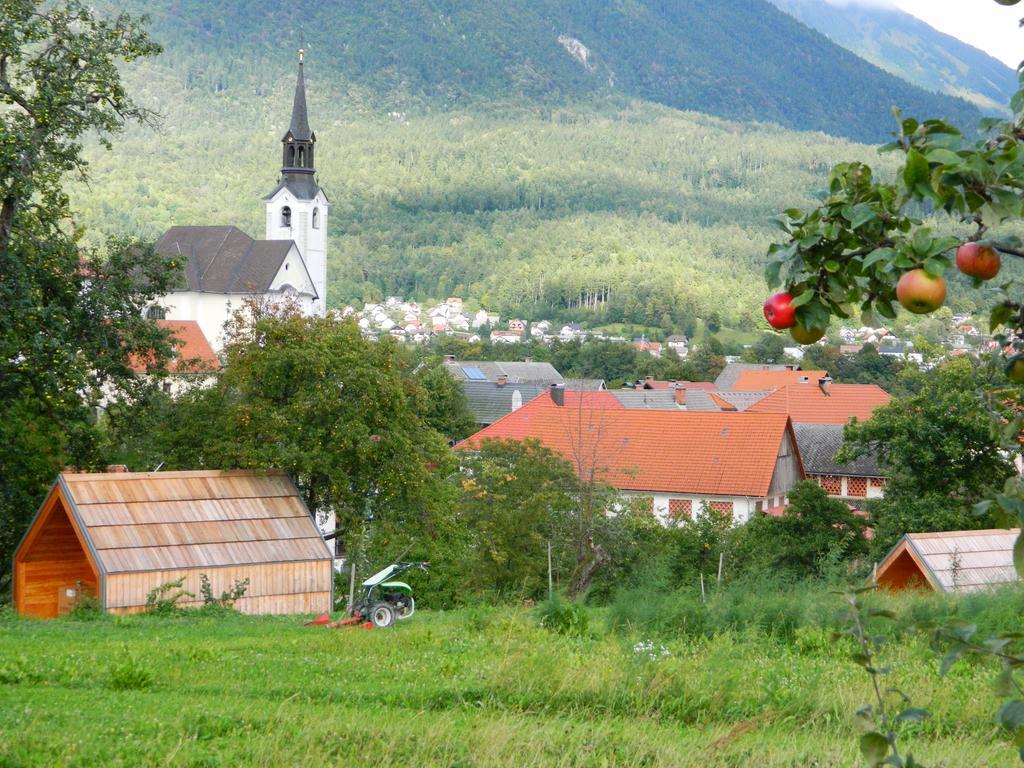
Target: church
x=223 y=266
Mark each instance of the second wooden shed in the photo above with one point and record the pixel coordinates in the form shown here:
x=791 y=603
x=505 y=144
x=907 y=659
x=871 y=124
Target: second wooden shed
x=120 y=535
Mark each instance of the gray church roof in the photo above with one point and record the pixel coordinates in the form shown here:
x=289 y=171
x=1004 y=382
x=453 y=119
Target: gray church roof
x=299 y=127
x=819 y=444
x=303 y=186
x=223 y=259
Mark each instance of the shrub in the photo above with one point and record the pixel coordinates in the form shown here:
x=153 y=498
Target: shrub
x=563 y=616
x=227 y=598
x=163 y=600
x=86 y=608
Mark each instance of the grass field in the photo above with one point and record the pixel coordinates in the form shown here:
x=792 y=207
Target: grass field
x=466 y=688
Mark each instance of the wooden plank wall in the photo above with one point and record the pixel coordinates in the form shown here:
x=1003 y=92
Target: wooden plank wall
x=53 y=560
x=296 y=587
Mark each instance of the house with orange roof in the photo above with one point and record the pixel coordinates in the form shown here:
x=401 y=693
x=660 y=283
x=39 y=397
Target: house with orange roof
x=193 y=357
x=761 y=380
x=738 y=463
x=818 y=412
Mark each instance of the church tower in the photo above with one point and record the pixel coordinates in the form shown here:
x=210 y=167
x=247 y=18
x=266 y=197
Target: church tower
x=297 y=208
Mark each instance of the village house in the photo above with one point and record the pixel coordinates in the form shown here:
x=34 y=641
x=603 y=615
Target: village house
x=675 y=462
x=193 y=361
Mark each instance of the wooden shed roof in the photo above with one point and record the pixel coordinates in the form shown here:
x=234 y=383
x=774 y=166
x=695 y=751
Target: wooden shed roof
x=149 y=521
x=959 y=561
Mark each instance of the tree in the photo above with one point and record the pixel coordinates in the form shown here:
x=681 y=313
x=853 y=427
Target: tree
x=709 y=359
x=515 y=498
x=813 y=529
x=310 y=396
x=938 y=449
x=770 y=348
x=72 y=317
x=441 y=402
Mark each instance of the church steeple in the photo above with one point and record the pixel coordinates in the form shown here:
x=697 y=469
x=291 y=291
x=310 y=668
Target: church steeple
x=297 y=166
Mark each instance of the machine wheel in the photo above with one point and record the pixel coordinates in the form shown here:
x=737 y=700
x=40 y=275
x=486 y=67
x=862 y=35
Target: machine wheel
x=408 y=609
x=382 y=615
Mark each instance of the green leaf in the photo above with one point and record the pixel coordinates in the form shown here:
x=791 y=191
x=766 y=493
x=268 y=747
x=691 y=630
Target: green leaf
x=916 y=171
x=874 y=746
x=1000 y=314
x=1011 y=715
x=877 y=255
x=912 y=715
x=950 y=659
x=862 y=214
x=942 y=156
x=803 y=298
x=935 y=267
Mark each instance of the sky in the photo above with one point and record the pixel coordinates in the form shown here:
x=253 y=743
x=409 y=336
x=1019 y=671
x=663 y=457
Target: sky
x=982 y=23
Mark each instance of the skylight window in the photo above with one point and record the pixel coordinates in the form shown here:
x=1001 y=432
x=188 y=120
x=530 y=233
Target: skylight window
x=474 y=374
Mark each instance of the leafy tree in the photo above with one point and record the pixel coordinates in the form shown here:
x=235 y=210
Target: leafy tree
x=813 y=529
x=708 y=360
x=697 y=545
x=770 y=348
x=938 y=450
x=515 y=497
x=310 y=396
x=441 y=402
x=72 y=317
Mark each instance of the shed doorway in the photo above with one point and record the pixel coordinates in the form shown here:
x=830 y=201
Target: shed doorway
x=52 y=567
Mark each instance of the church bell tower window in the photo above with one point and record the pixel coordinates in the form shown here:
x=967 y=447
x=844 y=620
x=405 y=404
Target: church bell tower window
x=316 y=218
x=302 y=157
x=286 y=216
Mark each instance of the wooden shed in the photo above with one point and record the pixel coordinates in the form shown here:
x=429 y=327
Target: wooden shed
x=119 y=535
x=950 y=561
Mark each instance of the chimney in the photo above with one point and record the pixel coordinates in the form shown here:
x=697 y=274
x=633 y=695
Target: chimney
x=680 y=394
x=527 y=359
x=825 y=384
x=648 y=382
x=558 y=394
x=502 y=380
x=449 y=358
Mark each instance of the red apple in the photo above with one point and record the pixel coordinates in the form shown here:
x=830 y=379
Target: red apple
x=920 y=292
x=803 y=335
x=779 y=311
x=976 y=260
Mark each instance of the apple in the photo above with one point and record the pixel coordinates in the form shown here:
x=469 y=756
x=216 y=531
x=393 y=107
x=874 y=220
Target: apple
x=803 y=335
x=976 y=260
x=1015 y=371
x=779 y=311
x=920 y=292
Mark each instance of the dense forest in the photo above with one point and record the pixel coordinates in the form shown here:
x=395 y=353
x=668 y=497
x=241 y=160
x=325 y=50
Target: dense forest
x=467 y=152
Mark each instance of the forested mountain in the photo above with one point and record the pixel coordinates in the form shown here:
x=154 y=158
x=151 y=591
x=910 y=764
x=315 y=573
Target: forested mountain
x=906 y=46
x=467 y=151
x=742 y=59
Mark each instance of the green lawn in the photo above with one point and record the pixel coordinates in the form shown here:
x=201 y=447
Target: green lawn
x=468 y=688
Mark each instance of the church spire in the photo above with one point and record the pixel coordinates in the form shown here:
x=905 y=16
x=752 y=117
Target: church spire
x=297 y=163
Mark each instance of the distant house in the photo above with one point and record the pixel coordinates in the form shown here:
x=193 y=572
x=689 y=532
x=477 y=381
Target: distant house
x=855 y=482
x=651 y=347
x=738 y=464
x=679 y=344
x=517 y=325
x=750 y=380
x=193 y=357
x=824 y=402
x=730 y=374
x=506 y=337
x=950 y=561
x=525 y=372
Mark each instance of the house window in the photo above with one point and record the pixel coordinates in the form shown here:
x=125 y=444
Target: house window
x=156 y=312
x=722 y=508
x=167 y=387
x=833 y=485
x=643 y=504
x=857 y=487
x=286 y=216
x=680 y=509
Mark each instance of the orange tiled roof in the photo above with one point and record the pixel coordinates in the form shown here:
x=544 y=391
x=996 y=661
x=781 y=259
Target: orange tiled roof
x=721 y=454
x=192 y=351
x=751 y=380
x=807 y=404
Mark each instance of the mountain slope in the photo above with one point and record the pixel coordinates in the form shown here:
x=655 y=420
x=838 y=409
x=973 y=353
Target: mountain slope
x=906 y=46
x=743 y=60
